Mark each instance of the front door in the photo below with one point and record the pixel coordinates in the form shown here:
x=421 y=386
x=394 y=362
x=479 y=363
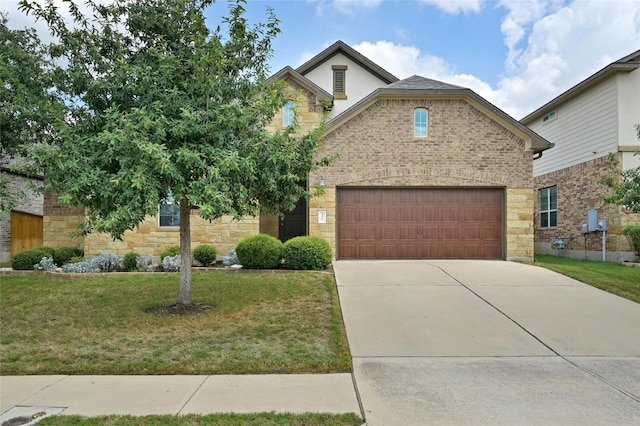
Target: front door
x=293 y=223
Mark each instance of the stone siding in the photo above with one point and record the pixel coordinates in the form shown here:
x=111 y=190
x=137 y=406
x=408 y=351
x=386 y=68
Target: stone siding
x=464 y=148
x=579 y=191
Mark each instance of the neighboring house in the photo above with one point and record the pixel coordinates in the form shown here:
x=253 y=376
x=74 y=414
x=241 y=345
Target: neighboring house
x=586 y=123
x=21 y=228
x=425 y=170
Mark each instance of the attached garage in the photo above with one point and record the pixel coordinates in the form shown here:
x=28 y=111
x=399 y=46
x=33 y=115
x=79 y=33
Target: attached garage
x=420 y=223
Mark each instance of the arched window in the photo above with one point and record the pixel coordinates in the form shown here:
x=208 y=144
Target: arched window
x=288 y=114
x=420 y=122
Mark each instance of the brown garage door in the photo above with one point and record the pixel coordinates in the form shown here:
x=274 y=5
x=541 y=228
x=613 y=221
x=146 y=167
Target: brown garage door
x=449 y=223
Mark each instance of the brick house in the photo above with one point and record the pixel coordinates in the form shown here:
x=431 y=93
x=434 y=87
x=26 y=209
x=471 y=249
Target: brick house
x=586 y=123
x=426 y=170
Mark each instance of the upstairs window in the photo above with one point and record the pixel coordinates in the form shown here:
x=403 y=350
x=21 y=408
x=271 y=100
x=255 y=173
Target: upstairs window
x=549 y=207
x=288 y=114
x=169 y=214
x=420 y=122
x=339 y=81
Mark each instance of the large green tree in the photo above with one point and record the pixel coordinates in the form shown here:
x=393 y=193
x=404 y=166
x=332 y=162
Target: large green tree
x=28 y=102
x=160 y=106
x=625 y=185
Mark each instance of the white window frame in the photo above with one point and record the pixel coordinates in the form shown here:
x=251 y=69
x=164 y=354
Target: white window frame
x=548 y=211
x=288 y=114
x=172 y=211
x=420 y=126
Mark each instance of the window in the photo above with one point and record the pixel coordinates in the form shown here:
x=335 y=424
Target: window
x=288 y=114
x=549 y=207
x=549 y=117
x=420 y=122
x=169 y=212
x=339 y=81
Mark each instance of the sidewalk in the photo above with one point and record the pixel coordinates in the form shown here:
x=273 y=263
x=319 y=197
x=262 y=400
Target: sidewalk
x=146 y=395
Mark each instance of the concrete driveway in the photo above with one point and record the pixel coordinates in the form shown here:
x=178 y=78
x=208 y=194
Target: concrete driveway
x=443 y=342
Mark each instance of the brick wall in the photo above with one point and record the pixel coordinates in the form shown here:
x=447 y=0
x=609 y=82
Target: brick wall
x=465 y=148
x=579 y=191
x=30 y=203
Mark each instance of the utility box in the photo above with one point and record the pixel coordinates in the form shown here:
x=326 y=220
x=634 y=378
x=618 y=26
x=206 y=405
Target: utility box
x=602 y=225
x=592 y=221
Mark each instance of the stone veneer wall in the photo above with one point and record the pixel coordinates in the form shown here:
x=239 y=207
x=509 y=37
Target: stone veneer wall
x=465 y=148
x=579 y=191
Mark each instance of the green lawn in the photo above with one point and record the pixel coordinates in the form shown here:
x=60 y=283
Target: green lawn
x=260 y=322
x=260 y=419
x=615 y=278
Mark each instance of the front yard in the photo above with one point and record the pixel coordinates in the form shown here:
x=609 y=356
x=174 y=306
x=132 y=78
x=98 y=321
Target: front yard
x=252 y=322
x=615 y=278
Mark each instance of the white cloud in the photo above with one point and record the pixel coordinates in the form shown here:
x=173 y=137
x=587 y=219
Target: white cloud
x=346 y=7
x=563 y=47
x=405 y=61
x=455 y=6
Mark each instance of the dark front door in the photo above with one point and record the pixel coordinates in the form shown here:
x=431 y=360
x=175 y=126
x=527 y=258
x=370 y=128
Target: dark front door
x=294 y=223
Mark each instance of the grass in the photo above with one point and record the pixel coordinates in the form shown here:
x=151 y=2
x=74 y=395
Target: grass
x=261 y=322
x=615 y=278
x=259 y=419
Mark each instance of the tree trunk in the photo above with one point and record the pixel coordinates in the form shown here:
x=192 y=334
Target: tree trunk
x=184 y=296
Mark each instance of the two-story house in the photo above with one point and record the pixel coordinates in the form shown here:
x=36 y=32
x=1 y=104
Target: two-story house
x=591 y=120
x=426 y=169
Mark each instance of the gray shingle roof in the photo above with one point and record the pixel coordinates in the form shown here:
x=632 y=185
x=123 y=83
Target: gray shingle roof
x=417 y=82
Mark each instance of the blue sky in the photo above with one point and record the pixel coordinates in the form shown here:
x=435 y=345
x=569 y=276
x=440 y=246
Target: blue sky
x=518 y=54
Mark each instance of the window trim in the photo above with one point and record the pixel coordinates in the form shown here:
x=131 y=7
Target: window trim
x=339 y=70
x=168 y=201
x=288 y=119
x=546 y=192
x=416 y=133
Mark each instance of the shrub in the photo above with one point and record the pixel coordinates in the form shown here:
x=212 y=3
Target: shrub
x=130 y=261
x=49 y=251
x=205 y=254
x=170 y=251
x=76 y=259
x=46 y=264
x=259 y=252
x=308 y=253
x=231 y=258
x=26 y=260
x=105 y=262
x=146 y=264
x=632 y=232
x=62 y=255
x=171 y=263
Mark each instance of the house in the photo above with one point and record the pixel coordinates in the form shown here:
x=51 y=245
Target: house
x=426 y=170
x=586 y=123
x=20 y=228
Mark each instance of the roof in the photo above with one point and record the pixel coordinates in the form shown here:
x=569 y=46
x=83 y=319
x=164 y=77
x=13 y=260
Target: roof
x=421 y=87
x=628 y=63
x=348 y=51
x=287 y=71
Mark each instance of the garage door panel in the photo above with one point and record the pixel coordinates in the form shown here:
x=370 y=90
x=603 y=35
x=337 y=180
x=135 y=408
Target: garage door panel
x=398 y=223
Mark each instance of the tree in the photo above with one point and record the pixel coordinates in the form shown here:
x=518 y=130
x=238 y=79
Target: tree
x=159 y=106
x=28 y=103
x=625 y=185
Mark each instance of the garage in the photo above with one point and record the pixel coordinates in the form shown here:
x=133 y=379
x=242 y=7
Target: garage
x=420 y=223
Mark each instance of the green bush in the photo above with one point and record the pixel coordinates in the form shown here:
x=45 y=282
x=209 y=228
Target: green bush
x=75 y=259
x=632 y=232
x=26 y=260
x=49 y=251
x=307 y=253
x=205 y=254
x=170 y=252
x=63 y=254
x=260 y=252
x=130 y=261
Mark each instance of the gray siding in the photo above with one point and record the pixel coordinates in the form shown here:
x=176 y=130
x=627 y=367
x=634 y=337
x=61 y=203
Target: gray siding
x=584 y=125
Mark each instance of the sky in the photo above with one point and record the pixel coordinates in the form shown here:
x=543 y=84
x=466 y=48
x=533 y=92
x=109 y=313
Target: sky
x=517 y=54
